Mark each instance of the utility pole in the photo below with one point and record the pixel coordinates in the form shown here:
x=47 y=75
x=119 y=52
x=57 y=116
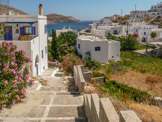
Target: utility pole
x=121 y=12
x=135 y=7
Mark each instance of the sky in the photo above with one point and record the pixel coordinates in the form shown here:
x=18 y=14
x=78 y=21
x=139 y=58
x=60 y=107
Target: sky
x=82 y=9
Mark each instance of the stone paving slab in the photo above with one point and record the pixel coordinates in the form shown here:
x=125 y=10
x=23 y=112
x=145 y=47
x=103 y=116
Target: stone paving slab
x=52 y=103
x=76 y=120
x=23 y=111
x=68 y=100
x=37 y=100
x=16 y=120
x=66 y=112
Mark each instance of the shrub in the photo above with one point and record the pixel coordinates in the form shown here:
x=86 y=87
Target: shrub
x=97 y=74
x=14 y=76
x=152 y=80
x=114 y=67
x=69 y=61
x=127 y=42
x=1 y=29
x=92 y=64
x=120 y=91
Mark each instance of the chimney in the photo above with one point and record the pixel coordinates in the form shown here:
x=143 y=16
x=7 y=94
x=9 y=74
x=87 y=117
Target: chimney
x=41 y=10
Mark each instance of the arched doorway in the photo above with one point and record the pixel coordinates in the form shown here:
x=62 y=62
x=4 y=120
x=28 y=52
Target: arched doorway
x=36 y=64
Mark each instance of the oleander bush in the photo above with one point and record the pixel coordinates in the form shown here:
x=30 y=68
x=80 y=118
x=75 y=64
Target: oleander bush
x=14 y=75
x=69 y=61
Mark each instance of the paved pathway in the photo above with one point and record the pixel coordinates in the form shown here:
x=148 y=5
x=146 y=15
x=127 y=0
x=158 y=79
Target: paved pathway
x=59 y=101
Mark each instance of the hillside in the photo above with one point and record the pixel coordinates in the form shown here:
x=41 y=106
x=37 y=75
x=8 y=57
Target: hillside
x=4 y=10
x=157 y=21
x=52 y=18
x=55 y=18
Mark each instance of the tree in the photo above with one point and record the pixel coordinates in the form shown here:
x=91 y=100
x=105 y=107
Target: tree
x=67 y=43
x=65 y=49
x=127 y=42
x=1 y=29
x=55 y=46
x=153 y=35
x=68 y=37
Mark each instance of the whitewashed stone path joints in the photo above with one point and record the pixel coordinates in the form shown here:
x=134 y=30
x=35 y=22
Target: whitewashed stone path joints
x=59 y=101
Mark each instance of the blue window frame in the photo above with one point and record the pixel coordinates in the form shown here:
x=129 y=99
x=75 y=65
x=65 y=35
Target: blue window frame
x=97 y=48
x=42 y=54
x=79 y=46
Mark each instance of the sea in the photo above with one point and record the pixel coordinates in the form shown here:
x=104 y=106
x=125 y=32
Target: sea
x=73 y=25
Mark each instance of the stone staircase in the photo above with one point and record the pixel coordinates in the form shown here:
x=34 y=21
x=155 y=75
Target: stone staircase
x=67 y=107
x=66 y=104
x=57 y=101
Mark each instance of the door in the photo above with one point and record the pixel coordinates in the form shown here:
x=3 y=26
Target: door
x=8 y=33
x=37 y=70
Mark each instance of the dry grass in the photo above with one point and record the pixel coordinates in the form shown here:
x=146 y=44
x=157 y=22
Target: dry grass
x=151 y=84
x=147 y=113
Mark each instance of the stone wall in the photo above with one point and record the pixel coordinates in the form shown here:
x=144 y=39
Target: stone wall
x=102 y=110
x=79 y=78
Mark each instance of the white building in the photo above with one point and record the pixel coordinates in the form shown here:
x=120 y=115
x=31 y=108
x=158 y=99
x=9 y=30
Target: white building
x=58 y=32
x=139 y=14
x=156 y=9
x=99 y=49
x=29 y=33
x=146 y=30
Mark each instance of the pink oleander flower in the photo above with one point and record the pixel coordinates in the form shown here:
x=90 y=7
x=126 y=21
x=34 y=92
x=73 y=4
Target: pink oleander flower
x=13 y=100
x=6 y=82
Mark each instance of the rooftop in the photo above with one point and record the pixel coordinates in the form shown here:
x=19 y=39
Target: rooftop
x=20 y=18
x=93 y=38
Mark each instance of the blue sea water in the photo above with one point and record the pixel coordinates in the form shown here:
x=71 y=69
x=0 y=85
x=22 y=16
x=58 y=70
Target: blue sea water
x=74 y=25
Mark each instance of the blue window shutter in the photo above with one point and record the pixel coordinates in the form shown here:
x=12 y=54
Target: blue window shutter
x=21 y=30
x=33 y=31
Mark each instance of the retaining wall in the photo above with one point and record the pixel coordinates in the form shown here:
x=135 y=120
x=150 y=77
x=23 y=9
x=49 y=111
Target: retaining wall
x=102 y=110
x=79 y=78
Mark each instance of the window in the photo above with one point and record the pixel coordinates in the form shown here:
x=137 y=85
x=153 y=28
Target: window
x=79 y=46
x=45 y=29
x=27 y=30
x=112 y=56
x=144 y=33
x=97 y=48
x=42 y=53
x=46 y=50
x=115 y=32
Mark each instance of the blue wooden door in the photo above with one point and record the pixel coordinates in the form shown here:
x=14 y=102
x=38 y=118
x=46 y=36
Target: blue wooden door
x=22 y=31
x=37 y=70
x=33 y=31
x=8 y=33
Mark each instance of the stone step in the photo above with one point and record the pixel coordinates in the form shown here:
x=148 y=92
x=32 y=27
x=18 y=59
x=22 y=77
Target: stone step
x=68 y=100
x=67 y=112
x=70 y=119
x=67 y=93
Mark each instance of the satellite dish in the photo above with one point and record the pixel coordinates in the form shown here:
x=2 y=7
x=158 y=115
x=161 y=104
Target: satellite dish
x=11 y=12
